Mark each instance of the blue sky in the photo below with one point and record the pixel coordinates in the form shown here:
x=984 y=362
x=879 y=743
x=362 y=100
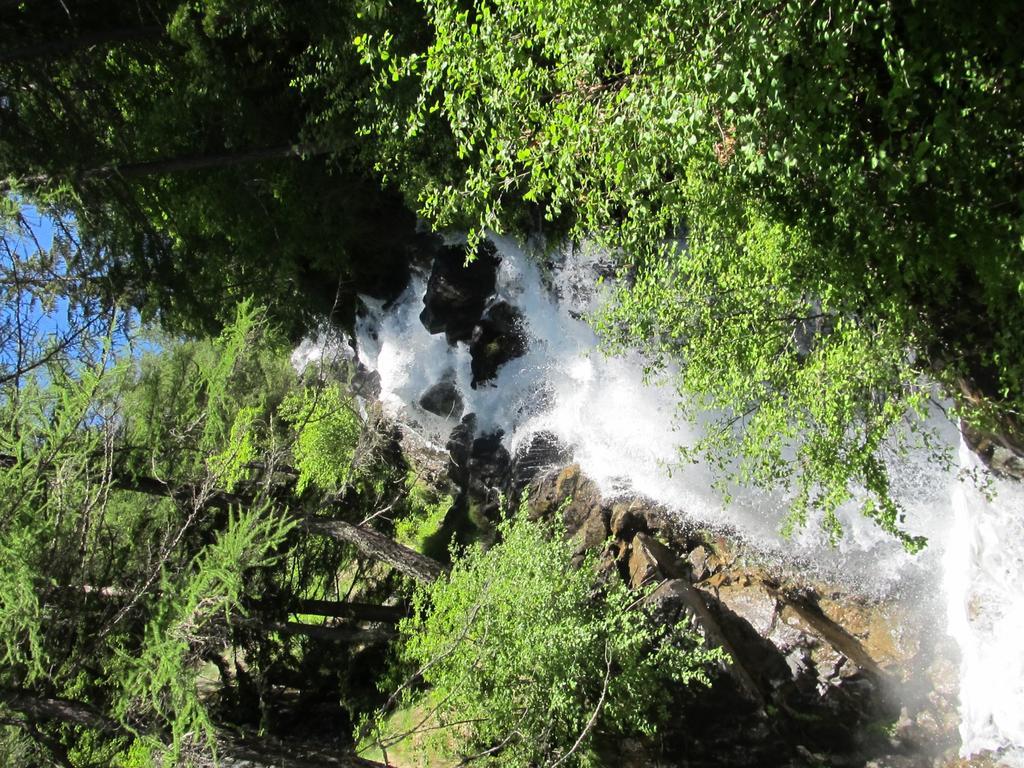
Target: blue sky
x=46 y=323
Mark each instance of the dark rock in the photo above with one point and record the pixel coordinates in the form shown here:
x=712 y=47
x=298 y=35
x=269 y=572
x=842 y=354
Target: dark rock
x=457 y=292
x=626 y=522
x=459 y=446
x=365 y=383
x=443 y=399
x=500 y=336
x=489 y=462
x=479 y=466
x=594 y=530
x=656 y=519
x=539 y=453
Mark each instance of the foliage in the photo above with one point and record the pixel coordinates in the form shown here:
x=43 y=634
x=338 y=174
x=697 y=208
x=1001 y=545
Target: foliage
x=520 y=651
x=328 y=427
x=206 y=152
x=814 y=395
x=207 y=404
x=126 y=561
x=159 y=681
x=424 y=520
x=819 y=204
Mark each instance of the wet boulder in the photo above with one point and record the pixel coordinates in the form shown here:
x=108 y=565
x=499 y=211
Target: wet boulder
x=539 y=453
x=489 y=464
x=500 y=336
x=459 y=447
x=457 y=292
x=443 y=399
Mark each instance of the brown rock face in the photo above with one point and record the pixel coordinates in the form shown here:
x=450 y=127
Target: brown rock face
x=677 y=599
x=593 y=531
x=751 y=601
x=651 y=561
x=625 y=522
x=698 y=560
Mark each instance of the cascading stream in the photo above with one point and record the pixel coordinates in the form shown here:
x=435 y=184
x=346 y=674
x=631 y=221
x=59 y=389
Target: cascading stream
x=624 y=434
x=984 y=585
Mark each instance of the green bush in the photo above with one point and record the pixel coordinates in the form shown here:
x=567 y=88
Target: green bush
x=530 y=657
x=327 y=427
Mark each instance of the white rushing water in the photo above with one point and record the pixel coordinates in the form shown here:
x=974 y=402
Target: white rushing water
x=624 y=433
x=984 y=582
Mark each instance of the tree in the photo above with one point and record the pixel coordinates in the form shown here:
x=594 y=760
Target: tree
x=816 y=208
x=529 y=661
x=150 y=526
x=194 y=149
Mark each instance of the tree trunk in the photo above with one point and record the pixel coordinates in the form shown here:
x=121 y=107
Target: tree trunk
x=43 y=708
x=327 y=633
x=346 y=610
x=379 y=547
x=182 y=163
x=254 y=751
x=203 y=162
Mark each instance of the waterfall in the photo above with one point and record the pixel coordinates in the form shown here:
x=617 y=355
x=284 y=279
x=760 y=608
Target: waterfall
x=624 y=433
x=984 y=584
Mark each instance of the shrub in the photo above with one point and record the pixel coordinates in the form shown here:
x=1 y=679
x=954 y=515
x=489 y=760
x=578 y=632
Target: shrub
x=533 y=661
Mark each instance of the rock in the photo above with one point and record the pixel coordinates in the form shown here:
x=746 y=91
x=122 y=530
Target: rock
x=459 y=447
x=569 y=485
x=593 y=533
x=539 y=453
x=548 y=491
x=751 y=601
x=457 y=292
x=489 y=464
x=677 y=599
x=606 y=566
x=1007 y=462
x=898 y=761
x=626 y=522
x=716 y=581
x=656 y=519
x=431 y=464
x=500 y=336
x=790 y=633
x=365 y=383
x=443 y=399
x=1000 y=449
x=698 y=560
x=945 y=677
x=834 y=634
x=650 y=561
x=479 y=466
x=722 y=554
x=873 y=628
x=565 y=481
